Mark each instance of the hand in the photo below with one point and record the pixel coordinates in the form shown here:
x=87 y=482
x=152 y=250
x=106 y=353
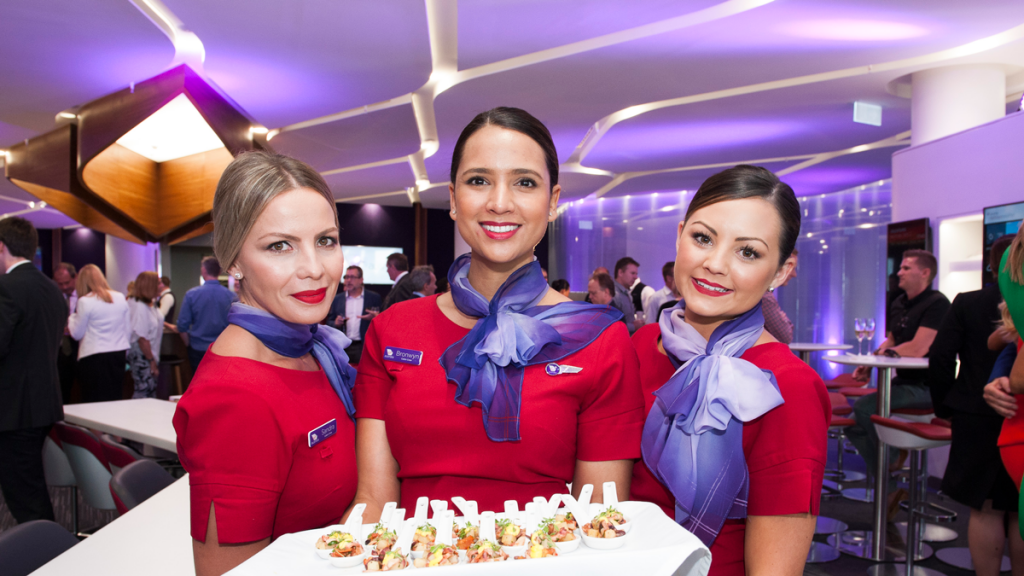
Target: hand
x=171 y=327
x=1006 y=335
x=862 y=373
x=154 y=367
x=370 y=314
x=997 y=395
x=339 y=321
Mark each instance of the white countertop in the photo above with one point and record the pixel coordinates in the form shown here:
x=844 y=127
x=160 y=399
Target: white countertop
x=146 y=420
x=878 y=361
x=152 y=539
x=813 y=347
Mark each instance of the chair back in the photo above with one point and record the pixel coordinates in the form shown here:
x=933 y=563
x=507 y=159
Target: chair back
x=118 y=455
x=85 y=454
x=137 y=482
x=28 y=546
x=56 y=467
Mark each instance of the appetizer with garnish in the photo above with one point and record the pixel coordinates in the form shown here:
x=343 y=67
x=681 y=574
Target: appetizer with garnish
x=344 y=545
x=424 y=538
x=386 y=561
x=465 y=536
x=568 y=519
x=511 y=534
x=439 y=555
x=329 y=541
x=485 y=551
x=605 y=524
x=557 y=530
x=541 y=546
x=381 y=538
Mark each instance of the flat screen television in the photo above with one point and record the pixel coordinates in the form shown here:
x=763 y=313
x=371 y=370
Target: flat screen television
x=999 y=221
x=372 y=259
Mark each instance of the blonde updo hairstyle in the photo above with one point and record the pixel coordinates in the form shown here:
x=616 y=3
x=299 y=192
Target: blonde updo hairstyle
x=248 y=185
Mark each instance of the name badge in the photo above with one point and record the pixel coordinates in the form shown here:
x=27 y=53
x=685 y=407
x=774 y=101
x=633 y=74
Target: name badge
x=553 y=369
x=402 y=355
x=321 y=433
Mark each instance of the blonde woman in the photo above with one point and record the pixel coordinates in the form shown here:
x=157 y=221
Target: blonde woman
x=147 y=332
x=102 y=325
x=265 y=429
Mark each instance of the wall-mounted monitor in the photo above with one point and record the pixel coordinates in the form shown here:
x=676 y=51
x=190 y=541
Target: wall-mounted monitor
x=372 y=259
x=999 y=221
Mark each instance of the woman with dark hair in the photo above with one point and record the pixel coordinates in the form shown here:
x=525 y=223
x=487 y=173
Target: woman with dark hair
x=501 y=389
x=561 y=286
x=734 y=445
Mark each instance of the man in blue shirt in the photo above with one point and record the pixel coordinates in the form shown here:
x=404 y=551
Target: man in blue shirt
x=204 y=312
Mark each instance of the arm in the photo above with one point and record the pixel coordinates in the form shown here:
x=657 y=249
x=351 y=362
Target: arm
x=378 y=469
x=942 y=356
x=79 y=321
x=778 y=545
x=185 y=316
x=597 y=473
x=999 y=338
x=997 y=395
x=918 y=347
x=147 y=351
x=214 y=558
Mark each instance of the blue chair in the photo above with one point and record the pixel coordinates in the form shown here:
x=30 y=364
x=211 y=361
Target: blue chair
x=28 y=546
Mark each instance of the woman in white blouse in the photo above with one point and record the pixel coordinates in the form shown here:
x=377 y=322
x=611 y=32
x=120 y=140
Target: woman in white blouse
x=147 y=332
x=102 y=326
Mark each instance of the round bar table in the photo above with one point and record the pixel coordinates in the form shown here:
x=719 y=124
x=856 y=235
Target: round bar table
x=855 y=542
x=805 y=349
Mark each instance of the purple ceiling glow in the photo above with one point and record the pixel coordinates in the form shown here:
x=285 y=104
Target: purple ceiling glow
x=852 y=30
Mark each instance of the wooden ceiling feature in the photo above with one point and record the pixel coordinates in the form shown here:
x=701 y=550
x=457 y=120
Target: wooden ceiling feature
x=44 y=167
x=81 y=170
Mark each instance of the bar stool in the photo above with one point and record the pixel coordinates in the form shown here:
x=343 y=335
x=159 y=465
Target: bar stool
x=914 y=437
x=819 y=551
x=931 y=532
x=843 y=381
x=858 y=494
x=840 y=409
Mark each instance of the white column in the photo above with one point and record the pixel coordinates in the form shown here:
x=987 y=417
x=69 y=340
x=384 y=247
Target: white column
x=951 y=99
x=125 y=260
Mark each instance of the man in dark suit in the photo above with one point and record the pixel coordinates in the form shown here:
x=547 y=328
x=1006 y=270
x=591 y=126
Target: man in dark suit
x=67 y=361
x=398 y=271
x=352 y=311
x=32 y=318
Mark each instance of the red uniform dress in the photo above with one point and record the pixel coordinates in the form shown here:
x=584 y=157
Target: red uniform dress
x=785 y=449
x=243 y=438
x=440 y=445
x=1011 y=438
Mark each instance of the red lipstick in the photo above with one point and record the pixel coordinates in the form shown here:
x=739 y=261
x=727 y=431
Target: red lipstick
x=311 y=296
x=705 y=291
x=495 y=235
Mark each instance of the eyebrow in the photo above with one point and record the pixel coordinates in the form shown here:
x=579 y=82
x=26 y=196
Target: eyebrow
x=295 y=238
x=741 y=239
x=515 y=172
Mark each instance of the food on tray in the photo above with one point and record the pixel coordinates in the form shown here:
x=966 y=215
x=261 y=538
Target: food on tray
x=465 y=536
x=424 y=538
x=341 y=544
x=381 y=538
x=557 y=530
x=439 y=555
x=605 y=524
x=511 y=534
x=386 y=561
x=485 y=551
x=567 y=519
x=541 y=546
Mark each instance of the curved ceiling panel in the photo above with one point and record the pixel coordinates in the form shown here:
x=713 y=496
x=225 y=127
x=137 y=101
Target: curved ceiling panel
x=285 y=62
x=494 y=30
x=842 y=172
x=60 y=54
x=688 y=180
x=789 y=122
x=362 y=139
x=371 y=181
x=575 y=185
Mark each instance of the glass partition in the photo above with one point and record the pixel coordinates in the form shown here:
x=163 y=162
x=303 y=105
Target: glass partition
x=841 y=273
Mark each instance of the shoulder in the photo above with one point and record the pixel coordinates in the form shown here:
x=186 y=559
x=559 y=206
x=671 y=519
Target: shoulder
x=646 y=335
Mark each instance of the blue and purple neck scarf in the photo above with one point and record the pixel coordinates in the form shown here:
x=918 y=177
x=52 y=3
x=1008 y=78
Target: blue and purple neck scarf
x=295 y=340
x=513 y=332
x=693 y=438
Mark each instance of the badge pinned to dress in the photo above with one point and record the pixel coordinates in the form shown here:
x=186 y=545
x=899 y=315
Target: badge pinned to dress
x=403 y=355
x=322 y=432
x=553 y=369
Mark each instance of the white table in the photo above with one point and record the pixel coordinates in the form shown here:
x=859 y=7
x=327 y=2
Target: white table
x=805 y=349
x=153 y=539
x=656 y=545
x=146 y=420
x=877 y=536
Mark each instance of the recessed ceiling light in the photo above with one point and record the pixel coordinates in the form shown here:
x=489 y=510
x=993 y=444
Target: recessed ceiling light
x=174 y=131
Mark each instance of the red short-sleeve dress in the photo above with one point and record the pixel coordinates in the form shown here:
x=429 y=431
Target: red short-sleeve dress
x=786 y=448
x=243 y=436
x=1011 y=438
x=442 y=450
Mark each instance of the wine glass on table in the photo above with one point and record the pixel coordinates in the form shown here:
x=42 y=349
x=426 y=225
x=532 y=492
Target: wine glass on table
x=869 y=330
x=861 y=331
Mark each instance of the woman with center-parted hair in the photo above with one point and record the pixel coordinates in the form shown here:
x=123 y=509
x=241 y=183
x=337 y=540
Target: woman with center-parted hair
x=265 y=429
x=502 y=389
x=734 y=445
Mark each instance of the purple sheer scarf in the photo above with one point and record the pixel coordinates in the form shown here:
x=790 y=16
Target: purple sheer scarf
x=513 y=332
x=294 y=340
x=693 y=438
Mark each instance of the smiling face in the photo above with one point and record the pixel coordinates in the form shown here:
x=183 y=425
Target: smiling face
x=727 y=257
x=291 y=261
x=500 y=199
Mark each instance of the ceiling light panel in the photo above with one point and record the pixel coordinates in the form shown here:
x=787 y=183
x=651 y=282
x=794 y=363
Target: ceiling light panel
x=174 y=131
